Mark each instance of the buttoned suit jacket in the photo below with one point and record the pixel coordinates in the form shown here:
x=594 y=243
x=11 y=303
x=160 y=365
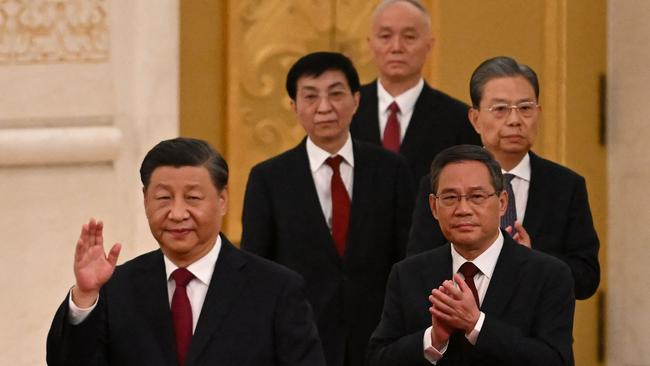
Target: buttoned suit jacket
x=283 y=221
x=528 y=306
x=558 y=220
x=255 y=313
x=438 y=122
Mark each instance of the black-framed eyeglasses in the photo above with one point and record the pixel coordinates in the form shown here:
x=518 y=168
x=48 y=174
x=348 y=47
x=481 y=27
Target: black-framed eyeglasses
x=502 y=110
x=453 y=199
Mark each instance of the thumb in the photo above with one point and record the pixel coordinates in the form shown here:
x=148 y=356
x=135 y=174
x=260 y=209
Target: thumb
x=114 y=253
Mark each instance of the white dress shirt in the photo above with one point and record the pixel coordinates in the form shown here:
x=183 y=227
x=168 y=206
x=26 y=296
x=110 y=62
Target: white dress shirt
x=520 y=184
x=405 y=101
x=322 y=174
x=196 y=289
x=485 y=263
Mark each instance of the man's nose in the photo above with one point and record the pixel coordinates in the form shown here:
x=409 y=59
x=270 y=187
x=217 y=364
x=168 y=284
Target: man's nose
x=463 y=207
x=396 y=43
x=178 y=211
x=513 y=118
x=324 y=105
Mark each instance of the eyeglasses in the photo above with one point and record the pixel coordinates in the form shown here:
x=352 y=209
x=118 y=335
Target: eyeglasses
x=502 y=110
x=452 y=199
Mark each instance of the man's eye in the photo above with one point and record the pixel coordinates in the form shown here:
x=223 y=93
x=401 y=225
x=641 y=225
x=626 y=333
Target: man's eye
x=160 y=198
x=499 y=108
x=449 y=198
x=477 y=196
x=525 y=108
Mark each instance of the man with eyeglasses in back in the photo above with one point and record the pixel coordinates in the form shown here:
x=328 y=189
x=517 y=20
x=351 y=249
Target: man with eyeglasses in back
x=490 y=301
x=548 y=207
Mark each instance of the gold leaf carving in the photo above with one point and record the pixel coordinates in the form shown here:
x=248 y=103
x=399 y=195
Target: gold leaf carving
x=47 y=31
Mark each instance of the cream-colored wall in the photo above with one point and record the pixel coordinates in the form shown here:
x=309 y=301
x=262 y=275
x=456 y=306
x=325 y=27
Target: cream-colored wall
x=629 y=176
x=84 y=93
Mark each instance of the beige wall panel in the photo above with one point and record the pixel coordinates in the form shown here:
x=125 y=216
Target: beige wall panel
x=628 y=179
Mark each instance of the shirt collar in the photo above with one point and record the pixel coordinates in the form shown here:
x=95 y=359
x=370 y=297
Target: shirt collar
x=485 y=262
x=317 y=156
x=521 y=170
x=203 y=268
x=405 y=101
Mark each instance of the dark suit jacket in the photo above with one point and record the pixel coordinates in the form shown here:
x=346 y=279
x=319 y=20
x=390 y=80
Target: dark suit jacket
x=558 y=220
x=283 y=221
x=528 y=308
x=255 y=313
x=438 y=122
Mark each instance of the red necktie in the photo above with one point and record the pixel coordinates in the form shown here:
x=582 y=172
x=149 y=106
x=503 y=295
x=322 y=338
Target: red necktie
x=182 y=313
x=340 y=205
x=391 y=132
x=469 y=270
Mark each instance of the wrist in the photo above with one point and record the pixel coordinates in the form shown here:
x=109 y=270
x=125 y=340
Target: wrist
x=84 y=299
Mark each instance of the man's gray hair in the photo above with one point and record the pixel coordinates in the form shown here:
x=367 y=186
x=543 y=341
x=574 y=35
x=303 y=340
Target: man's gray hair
x=418 y=5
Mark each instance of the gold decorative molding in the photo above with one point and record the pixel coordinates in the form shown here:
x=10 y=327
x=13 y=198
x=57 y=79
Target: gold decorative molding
x=52 y=31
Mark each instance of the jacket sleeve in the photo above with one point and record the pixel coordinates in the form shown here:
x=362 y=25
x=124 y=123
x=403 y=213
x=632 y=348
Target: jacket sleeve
x=83 y=344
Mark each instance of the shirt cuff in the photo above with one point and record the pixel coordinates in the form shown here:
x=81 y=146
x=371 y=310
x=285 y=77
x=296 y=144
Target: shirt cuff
x=76 y=314
x=430 y=353
x=472 y=336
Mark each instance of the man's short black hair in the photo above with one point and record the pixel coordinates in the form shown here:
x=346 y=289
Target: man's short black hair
x=184 y=151
x=460 y=153
x=499 y=67
x=315 y=64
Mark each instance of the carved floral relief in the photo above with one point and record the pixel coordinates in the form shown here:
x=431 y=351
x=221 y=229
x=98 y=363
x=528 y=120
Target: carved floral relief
x=51 y=31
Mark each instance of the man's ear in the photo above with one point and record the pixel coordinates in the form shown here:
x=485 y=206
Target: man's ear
x=293 y=106
x=503 y=202
x=433 y=206
x=472 y=115
x=223 y=200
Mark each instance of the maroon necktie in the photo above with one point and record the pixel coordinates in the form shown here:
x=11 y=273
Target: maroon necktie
x=469 y=270
x=182 y=313
x=340 y=205
x=391 y=132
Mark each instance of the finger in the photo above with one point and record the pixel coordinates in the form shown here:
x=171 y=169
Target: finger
x=92 y=228
x=114 y=253
x=99 y=234
x=83 y=236
x=442 y=302
x=508 y=229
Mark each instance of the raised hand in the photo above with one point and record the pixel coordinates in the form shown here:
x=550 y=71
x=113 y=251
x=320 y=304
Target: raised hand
x=520 y=235
x=92 y=267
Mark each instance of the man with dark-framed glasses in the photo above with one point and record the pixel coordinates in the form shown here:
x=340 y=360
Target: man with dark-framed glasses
x=548 y=206
x=490 y=301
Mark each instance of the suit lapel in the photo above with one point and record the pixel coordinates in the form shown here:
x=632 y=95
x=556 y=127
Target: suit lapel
x=304 y=192
x=423 y=113
x=505 y=279
x=225 y=287
x=538 y=197
x=151 y=298
x=440 y=270
x=362 y=193
x=368 y=125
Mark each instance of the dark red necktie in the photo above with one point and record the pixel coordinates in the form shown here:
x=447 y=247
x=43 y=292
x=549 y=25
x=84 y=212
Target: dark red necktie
x=469 y=270
x=392 y=131
x=340 y=205
x=182 y=313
